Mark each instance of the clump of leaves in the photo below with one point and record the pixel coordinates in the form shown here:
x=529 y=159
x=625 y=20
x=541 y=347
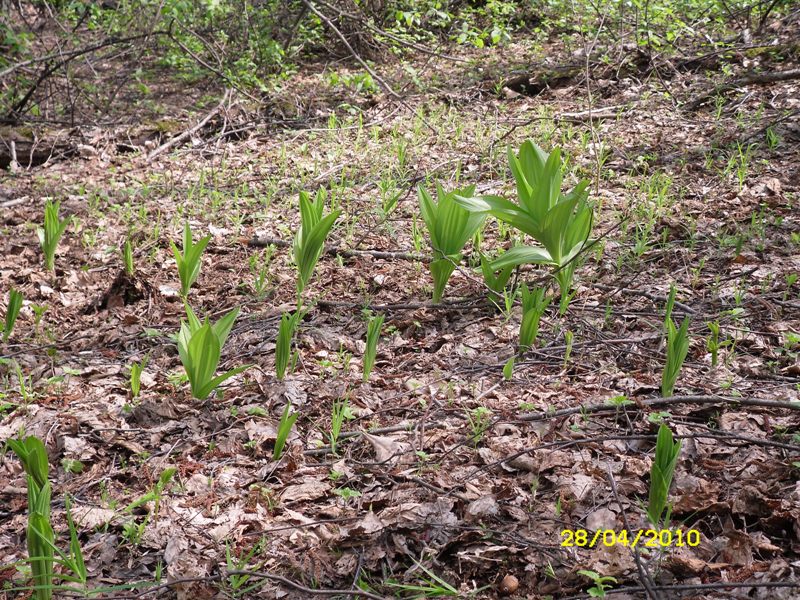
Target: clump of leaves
x=560 y=222
x=12 y=312
x=51 y=232
x=373 y=335
x=199 y=347
x=601 y=583
x=677 y=347
x=496 y=281
x=188 y=260
x=450 y=227
x=310 y=239
x=661 y=474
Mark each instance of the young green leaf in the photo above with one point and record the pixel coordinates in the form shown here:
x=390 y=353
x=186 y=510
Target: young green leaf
x=661 y=473
x=188 y=260
x=373 y=335
x=51 y=232
x=284 y=428
x=12 y=312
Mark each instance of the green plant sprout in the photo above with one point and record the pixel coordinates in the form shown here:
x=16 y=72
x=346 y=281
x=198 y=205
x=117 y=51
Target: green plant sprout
x=287 y=421
x=188 y=260
x=450 y=227
x=340 y=412
x=677 y=347
x=601 y=583
x=432 y=587
x=661 y=474
x=51 y=232
x=712 y=342
x=534 y=303
x=127 y=258
x=12 y=312
x=568 y=338
x=136 y=378
x=199 y=348
x=373 y=335
x=479 y=419
x=283 y=344
x=310 y=239
x=560 y=222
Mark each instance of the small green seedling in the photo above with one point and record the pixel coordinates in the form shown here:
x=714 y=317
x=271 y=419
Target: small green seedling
x=432 y=587
x=495 y=281
x=12 y=312
x=661 y=474
x=51 y=232
x=534 y=303
x=601 y=583
x=136 y=378
x=341 y=411
x=373 y=335
x=127 y=258
x=450 y=227
x=283 y=345
x=677 y=347
x=199 y=348
x=712 y=342
x=310 y=239
x=287 y=421
x=189 y=261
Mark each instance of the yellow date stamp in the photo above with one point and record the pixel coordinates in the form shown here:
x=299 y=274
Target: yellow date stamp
x=647 y=538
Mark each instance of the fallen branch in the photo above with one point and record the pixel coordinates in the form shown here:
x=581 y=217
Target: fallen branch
x=752 y=79
x=189 y=132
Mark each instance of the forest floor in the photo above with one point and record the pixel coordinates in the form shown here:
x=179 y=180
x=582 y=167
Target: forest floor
x=445 y=472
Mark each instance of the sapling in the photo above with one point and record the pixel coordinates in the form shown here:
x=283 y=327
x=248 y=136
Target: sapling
x=51 y=232
x=188 y=260
x=450 y=227
x=12 y=312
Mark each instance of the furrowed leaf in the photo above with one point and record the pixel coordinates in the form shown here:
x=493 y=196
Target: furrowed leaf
x=520 y=255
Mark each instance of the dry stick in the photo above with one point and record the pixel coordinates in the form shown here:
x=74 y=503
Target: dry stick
x=699 y=399
x=177 y=139
x=644 y=575
x=336 y=251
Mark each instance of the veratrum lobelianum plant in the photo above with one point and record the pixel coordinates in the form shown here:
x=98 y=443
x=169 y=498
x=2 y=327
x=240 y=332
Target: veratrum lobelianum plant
x=51 y=232
x=666 y=458
x=310 y=238
x=560 y=222
x=12 y=312
x=677 y=347
x=188 y=261
x=450 y=227
x=199 y=347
